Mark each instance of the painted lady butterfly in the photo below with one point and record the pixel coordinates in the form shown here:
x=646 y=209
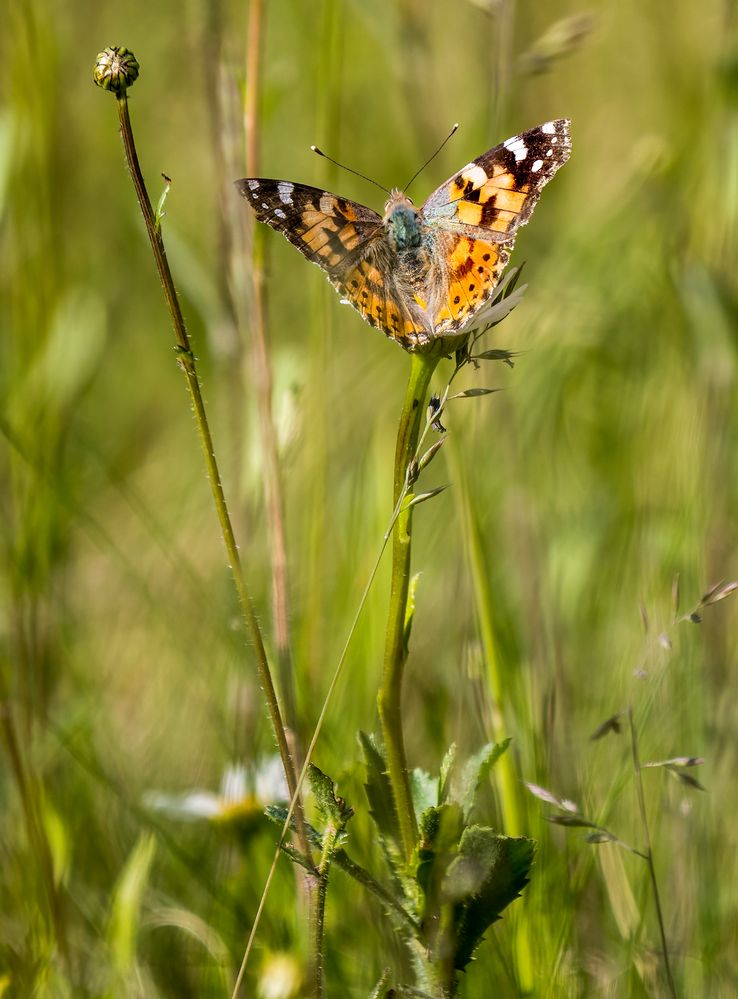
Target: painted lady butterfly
x=420 y=274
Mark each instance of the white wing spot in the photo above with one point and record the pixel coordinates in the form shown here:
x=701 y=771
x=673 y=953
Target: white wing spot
x=253 y=184
x=517 y=147
x=285 y=192
x=549 y=128
x=550 y=152
x=537 y=166
x=474 y=174
x=554 y=140
x=279 y=213
x=264 y=204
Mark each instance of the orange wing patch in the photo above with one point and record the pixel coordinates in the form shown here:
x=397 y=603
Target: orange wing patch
x=490 y=202
x=474 y=268
x=365 y=288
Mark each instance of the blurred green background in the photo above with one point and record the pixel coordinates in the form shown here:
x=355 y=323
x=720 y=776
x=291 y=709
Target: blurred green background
x=606 y=467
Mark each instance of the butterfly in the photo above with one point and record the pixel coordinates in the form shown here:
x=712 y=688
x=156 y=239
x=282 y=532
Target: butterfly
x=420 y=274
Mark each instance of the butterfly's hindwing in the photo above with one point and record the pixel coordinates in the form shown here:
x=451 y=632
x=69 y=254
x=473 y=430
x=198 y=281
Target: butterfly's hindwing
x=472 y=268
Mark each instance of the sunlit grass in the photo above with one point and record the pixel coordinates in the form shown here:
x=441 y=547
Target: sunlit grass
x=605 y=467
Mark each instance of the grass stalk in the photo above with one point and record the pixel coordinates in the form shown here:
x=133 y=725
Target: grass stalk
x=186 y=361
x=507 y=779
x=649 y=852
x=263 y=382
x=29 y=792
x=390 y=694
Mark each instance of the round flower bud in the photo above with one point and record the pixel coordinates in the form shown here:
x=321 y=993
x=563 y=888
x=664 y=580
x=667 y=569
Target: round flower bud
x=115 y=69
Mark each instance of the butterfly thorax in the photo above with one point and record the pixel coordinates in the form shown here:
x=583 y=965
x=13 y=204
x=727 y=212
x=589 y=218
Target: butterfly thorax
x=401 y=222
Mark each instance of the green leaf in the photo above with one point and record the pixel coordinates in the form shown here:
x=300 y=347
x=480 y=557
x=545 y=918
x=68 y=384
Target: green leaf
x=125 y=907
x=380 y=798
x=331 y=807
x=422 y=497
x=440 y=829
x=472 y=393
x=424 y=790
x=446 y=775
x=380 y=989
x=410 y=607
x=278 y=815
x=488 y=874
x=476 y=770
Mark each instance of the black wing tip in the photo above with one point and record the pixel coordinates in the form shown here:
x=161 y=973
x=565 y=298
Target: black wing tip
x=242 y=186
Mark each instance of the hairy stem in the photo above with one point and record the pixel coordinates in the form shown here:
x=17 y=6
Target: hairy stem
x=390 y=694
x=649 y=852
x=186 y=361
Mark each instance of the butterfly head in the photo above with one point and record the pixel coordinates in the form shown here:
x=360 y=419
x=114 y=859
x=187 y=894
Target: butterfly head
x=401 y=222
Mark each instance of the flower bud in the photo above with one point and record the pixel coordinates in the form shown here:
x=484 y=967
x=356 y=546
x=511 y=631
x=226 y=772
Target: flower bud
x=115 y=69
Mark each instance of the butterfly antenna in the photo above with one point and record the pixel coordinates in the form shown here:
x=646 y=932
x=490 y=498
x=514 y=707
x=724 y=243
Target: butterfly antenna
x=355 y=172
x=418 y=173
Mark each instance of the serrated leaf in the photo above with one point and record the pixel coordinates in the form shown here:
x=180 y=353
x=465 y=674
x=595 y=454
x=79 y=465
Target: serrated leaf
x=446 y=775
x=476 y=770
x=380 y=989
x=488 y=874
x=278 y=815
x=611 y=724
x=381 y=800
x=439 y=830
x=332 y=808
x=424 y=790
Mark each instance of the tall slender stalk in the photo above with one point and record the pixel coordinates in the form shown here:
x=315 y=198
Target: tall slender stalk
x=390 y=694
x=186 y=362
x=649 y=851
x=263 y=382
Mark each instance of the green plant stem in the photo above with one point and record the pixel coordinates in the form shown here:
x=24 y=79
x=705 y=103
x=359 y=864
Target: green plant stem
x=390 y=694
x=186 y=361
x=317 y=912
x=649 y=852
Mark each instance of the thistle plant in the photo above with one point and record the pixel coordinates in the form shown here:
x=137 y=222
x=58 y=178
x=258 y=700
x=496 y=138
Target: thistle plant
x=451 y=874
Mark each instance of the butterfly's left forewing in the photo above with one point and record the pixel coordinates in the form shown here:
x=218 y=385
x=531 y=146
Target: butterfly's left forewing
x=330 y=231
x=346 y=240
